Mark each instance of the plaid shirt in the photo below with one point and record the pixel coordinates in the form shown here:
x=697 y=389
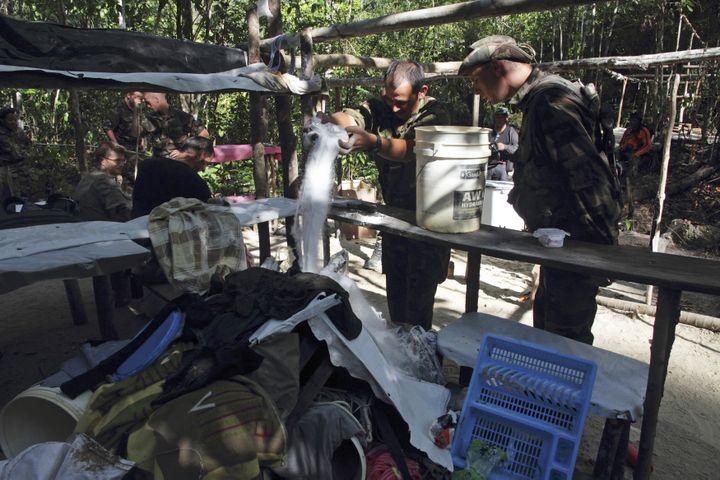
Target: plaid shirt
x=397 y=179
x=193 y=240
x=561 y=179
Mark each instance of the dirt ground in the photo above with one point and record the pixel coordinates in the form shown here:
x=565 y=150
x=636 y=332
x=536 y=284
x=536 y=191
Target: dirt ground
x=36 y=334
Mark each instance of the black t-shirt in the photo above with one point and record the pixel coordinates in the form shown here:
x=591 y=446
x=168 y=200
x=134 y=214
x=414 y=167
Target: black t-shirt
x=162 y=179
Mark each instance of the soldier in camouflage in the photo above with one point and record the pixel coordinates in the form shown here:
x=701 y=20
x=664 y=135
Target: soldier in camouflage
x=127 y=126
x=14 y=150
x=385 y=127
x=170 y=126
x=562 y=179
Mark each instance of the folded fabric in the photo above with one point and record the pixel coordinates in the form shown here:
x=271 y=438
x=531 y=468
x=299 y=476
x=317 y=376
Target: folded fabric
x=194 y=241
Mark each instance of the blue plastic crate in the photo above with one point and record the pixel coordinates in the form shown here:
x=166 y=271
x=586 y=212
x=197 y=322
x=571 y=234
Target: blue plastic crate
x=530 y=402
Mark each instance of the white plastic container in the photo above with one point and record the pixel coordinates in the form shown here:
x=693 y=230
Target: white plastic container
x=550 y=237
x=450 y=177
x=496 y=209
x=39 y=414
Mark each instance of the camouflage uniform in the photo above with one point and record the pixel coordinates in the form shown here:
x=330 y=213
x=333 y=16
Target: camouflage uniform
x=130 y=127
x=14 y=150
x=412 y=269
x=170 y=129
x=563 y=181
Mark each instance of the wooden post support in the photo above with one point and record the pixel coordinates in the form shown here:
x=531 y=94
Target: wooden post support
x=288 y=140
x=668 y=315
x=622 y=100
x=613 y=445
x=258 y=130
x=472 y=279
x=104 y=307
x=74 y=296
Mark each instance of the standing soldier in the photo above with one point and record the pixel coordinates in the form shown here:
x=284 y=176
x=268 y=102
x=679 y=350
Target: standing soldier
x=14 y=149
x=562 y=176
x=385 y=127
x=170 y=126
x=127 y=127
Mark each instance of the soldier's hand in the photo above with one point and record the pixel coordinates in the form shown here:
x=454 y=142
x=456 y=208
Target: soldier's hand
x=359 y=141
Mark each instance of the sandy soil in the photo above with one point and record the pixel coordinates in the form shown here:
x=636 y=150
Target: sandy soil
x=37 y=334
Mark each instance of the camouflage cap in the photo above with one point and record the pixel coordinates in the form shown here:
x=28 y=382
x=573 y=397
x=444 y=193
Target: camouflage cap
x=495 y=47
x=502 y=111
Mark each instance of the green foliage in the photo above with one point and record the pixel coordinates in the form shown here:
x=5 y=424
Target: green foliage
x=230 y=178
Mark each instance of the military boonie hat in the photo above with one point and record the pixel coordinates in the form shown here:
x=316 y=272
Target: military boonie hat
x=496 y=47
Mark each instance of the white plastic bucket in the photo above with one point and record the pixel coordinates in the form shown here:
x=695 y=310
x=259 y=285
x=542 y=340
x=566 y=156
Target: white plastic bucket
x=450 y=177
x=39 y=414
x=496 y=209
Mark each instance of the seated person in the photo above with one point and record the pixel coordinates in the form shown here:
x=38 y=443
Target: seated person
x=101 y=198
x=506 y=141
x=161 y=179
x=635 y=144
x=98 y=193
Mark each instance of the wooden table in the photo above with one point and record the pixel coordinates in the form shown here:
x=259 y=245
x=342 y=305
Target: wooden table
x=96 y=260
x=671 y=273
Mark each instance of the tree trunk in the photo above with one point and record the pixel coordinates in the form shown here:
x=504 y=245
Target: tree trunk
x=74 y=107
x=680 y=186
x=121 y=14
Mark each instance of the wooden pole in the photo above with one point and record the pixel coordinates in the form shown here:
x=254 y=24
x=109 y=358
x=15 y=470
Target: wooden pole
x=476 y=110
x=636 y=61
x=657 y=218
x=258 y=130
x=668 y=312
x=288 y=140
x=445 y=14
x=622 y=99
x=449 y=69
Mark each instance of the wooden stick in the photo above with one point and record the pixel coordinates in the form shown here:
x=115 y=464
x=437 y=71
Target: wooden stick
x=657 y=218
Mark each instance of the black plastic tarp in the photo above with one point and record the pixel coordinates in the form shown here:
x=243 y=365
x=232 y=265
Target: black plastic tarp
x=47 y=55
x=57 y=47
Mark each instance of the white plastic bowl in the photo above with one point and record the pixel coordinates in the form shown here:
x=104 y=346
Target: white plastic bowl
x=550 y=237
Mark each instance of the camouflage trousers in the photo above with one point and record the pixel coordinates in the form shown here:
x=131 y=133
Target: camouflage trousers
x=413 y=271
x=565 y=304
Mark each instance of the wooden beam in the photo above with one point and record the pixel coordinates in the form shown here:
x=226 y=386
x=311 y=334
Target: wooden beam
x=325 y=61
x=641 y=62
x=444 y=14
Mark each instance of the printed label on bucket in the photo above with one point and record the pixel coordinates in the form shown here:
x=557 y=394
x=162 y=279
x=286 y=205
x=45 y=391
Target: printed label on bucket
x=472 y=172
x=467 y=204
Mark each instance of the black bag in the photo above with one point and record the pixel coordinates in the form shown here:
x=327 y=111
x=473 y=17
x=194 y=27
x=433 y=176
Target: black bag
x=17 y=213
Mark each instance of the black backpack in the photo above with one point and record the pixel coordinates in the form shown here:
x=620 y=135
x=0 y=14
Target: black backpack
x=602 y=131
